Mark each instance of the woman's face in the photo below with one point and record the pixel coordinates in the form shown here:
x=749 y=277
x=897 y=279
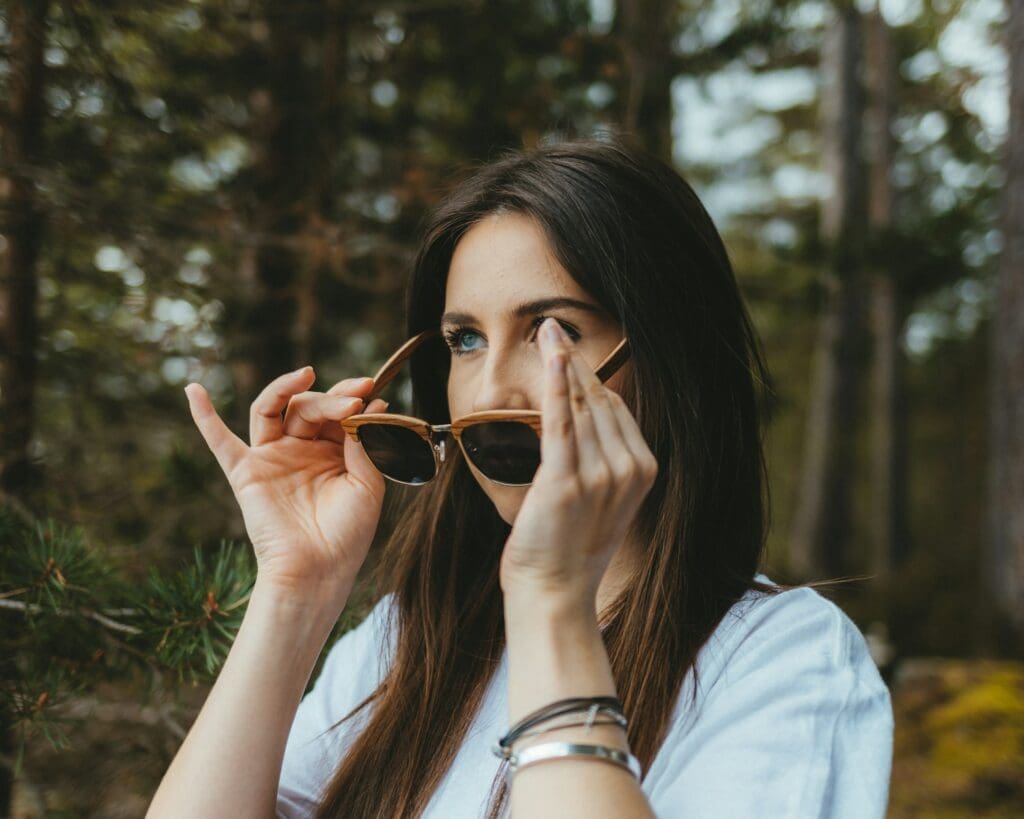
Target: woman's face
x=503 y=281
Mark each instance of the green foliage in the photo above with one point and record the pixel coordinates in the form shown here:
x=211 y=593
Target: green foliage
x=63 y=570
x=69 y=620
x=188 y=621
x=51 y=583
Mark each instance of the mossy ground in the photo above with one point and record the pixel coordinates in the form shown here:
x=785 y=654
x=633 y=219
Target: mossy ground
x=959 y=745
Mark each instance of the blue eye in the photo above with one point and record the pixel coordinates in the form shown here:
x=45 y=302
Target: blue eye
x=455 y=338
x=460 y=339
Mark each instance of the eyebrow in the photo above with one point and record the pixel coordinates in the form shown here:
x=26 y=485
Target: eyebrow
x=529 y=308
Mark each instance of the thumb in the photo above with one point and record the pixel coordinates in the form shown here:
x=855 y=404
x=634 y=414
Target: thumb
x=356 y=460
x=226 y=447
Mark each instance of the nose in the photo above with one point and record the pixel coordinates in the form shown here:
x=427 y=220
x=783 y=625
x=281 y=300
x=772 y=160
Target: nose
x=505 y=381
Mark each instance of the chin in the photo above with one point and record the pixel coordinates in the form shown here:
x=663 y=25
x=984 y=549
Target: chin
x=506 y=500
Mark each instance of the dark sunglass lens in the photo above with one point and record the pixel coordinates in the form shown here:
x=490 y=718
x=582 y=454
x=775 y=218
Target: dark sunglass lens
x=505 y=451
x=398 y=452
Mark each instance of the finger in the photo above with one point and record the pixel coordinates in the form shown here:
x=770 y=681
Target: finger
x=558 y=439
x=308 y=412
x=226 y=447
x=634 y=438
x=357 y=462
x=266 y=422
x=335 y=432
x=605 y=424
x=590 y=455
x=352 y=386
x=592 y=464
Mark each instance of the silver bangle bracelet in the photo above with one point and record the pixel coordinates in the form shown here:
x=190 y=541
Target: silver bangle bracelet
x=560 y=750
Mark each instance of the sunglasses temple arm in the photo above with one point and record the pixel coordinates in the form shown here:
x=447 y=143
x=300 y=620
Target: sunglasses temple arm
x=616 y=358
x=392 y=366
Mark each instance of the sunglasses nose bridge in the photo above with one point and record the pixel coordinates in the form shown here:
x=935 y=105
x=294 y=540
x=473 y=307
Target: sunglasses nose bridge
x=439 y=434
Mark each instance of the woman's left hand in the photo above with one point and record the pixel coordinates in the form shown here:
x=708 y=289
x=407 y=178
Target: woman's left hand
x=596 y=469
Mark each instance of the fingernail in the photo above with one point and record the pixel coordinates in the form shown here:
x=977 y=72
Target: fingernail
x=302 y=370
x=551 y=329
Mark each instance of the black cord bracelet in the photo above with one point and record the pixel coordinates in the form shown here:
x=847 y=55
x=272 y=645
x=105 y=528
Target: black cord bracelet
x=610 y=705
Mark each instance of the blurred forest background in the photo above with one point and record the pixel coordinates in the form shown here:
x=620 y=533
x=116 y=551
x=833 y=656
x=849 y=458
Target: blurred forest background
x=225 y=190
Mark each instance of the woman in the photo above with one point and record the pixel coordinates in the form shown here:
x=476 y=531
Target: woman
x=623 y=566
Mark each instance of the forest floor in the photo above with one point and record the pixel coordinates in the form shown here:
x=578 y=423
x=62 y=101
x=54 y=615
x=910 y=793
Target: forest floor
x=959 y=749
x=959 y=745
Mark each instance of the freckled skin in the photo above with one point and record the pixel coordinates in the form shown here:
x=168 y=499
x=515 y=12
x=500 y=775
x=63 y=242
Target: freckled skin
x=500 y=262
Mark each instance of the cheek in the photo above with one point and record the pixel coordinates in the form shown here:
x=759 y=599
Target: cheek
x=458 y=396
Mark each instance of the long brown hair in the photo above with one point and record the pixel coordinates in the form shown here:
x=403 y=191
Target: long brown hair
x=634 y=235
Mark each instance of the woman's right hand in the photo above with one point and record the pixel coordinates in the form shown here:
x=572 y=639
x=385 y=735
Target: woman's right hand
x=309 y=496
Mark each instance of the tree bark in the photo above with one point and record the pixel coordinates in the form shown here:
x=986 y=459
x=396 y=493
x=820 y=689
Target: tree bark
x=22 y=227
x=1004 y=571
x=888 y=475
x=644 y=29
x=821 y=524
x=266 y=308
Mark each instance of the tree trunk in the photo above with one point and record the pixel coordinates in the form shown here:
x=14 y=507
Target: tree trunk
x=266 y=307
x=22 y=226
x=821 y=523
x=1005 y=553
x=644 y=29
x=888 y=442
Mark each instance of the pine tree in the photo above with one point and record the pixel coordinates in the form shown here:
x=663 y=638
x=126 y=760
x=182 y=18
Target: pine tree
x=70 y=620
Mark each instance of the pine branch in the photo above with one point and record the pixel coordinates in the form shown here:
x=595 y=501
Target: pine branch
x=68 y=620
x=35 y=608
x=189 y=621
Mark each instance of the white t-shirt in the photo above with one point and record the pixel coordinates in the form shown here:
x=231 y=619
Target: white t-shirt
x=791 y=720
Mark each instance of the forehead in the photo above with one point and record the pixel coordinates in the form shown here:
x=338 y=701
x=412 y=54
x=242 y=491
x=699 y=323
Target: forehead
x=503 y=259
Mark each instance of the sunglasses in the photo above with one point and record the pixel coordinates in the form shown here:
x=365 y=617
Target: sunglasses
x=504 y=445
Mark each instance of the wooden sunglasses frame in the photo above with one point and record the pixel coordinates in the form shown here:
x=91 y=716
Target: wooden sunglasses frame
x=427 y=431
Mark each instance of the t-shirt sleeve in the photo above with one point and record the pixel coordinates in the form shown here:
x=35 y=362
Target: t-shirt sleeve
x=795 y=721
x=354 y=666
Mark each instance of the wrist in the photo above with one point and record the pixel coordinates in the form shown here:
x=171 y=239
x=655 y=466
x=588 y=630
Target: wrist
x=567 y=606
x=317 y=601
x=555 y=650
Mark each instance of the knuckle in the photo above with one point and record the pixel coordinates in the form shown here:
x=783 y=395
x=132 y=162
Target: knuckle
x=625 y=470
x=295 y=402
x=260 y=409
x=617 y=401
x=651 y=468
x=565 y=493
x=599 y=476
x=574 y=490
